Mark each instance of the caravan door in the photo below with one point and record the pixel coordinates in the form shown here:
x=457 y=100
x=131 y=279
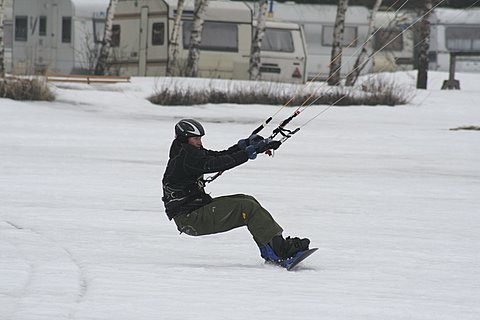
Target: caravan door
x=44 y=35
x=52 y=35
x=153 y=47
x=157 y=43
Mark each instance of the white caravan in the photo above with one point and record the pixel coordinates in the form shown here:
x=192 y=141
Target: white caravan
x=455 y=30
x=56 y=36
x=318 y=23
x=393 y=45
x=141 y=40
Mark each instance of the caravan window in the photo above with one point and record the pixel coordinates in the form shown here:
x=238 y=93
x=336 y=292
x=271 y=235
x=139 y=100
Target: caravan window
x=217 y=36
x=463 y=38
x=391 y=36
x=278 y=40
x=313 y=38
x=42 y=30
x=158 y=34
x=66 y=29
x=21 y=28
x=349 y=36
x=116 y=35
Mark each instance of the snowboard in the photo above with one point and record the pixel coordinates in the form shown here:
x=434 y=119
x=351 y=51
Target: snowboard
x=292 y=263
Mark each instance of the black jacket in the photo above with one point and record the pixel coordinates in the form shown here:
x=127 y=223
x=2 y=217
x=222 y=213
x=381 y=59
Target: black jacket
x=182 y=181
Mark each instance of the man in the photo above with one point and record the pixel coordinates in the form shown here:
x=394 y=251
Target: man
x=196 y=213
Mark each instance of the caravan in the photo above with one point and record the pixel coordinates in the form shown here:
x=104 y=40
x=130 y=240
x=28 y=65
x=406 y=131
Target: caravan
x=455 y=30
x=142 y=29
x=141 y=41
x=55 y=35
x=318 y=23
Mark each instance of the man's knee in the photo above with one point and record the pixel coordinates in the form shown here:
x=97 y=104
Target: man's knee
x=188 y=224
x=190 y=230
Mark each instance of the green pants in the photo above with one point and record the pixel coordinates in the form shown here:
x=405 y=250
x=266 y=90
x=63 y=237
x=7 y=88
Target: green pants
x=229 y=212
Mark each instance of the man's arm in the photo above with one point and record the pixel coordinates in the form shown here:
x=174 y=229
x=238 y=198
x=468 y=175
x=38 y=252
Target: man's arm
x=231 y=150
x=207 y=161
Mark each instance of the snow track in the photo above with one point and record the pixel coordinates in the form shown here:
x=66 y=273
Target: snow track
x=46 y=288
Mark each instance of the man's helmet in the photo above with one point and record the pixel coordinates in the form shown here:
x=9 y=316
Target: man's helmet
x=187 y=128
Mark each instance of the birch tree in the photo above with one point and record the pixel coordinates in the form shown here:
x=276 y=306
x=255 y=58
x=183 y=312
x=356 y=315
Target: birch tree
x=364 y=54
x=2 y=45
x=255 y=51
x=107 y=39
x=423 y=61
x=196 y=38
x=336 y=56
x=172 y=66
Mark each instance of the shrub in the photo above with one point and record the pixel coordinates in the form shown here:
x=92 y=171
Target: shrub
x=25 y=89
x=380 y=91
x=180 y=94
x=374 y=91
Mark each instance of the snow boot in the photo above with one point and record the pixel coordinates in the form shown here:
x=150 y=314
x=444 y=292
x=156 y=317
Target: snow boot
x=281 y=249
x=268 y=254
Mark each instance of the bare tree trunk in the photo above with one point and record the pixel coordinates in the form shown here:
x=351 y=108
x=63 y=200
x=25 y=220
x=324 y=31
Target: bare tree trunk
x=362 y=57
x=256 y=49
x=172 y=66
x=336 y=56
x=423 y=60
x=2 y=44
x=107 y=39
x=196 y=38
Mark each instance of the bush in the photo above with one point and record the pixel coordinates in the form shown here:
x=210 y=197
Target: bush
x=188 y=94
x=25 y=89
x=375 y=91
x=380 y=91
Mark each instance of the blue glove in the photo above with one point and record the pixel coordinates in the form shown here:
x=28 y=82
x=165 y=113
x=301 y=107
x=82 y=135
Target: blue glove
x=266 y=144
x=251 y=152
x=252 y=140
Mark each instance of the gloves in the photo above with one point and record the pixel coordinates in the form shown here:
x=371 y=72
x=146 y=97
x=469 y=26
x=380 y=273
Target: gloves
x=266 y=144
x=251 y=152
x=252 y=140
x=261 y=147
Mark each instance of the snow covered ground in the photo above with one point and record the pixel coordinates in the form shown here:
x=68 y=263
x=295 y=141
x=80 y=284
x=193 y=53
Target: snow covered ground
x=389 y=195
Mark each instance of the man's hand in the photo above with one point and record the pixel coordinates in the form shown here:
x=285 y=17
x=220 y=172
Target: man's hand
x=266 y=144
x=250 y=141
x=251 y=152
